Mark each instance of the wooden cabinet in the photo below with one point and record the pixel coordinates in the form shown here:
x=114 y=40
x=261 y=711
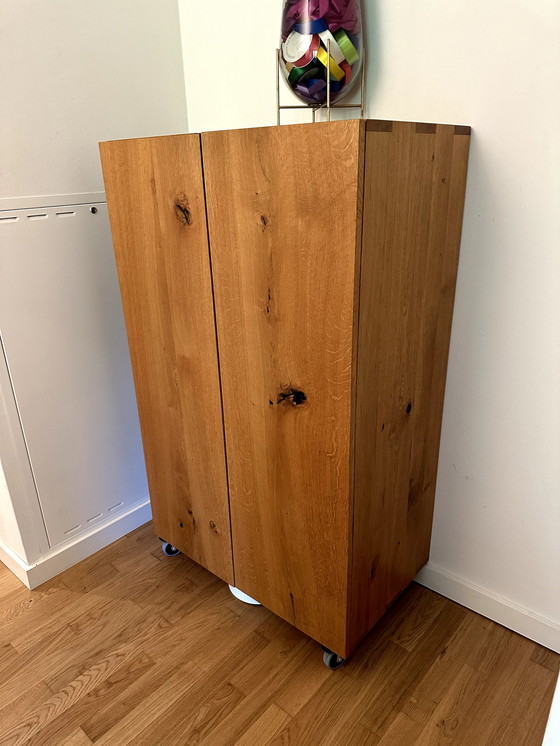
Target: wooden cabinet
x=288 y=295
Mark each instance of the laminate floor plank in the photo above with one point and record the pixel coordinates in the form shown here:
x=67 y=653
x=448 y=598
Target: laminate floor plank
x=102 y=720
x=411 y=632
x=28 y=700
x=65 y=653
x=503 y=670
x=32 y=605
x=403 y=731
x=519 y=722
x=545 y=657
x=76 y=738
x=175 y=687
x=132 y=647
x=126 y=630
x=405 y=675
x=54 y=611
x=449 y=716
x=189 y=721
x=100 y=696
x=253 y=706
x=358 y=735
x=263 y=730
x=60 y=702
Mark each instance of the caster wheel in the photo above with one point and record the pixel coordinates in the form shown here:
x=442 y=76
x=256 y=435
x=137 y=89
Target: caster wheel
x=332 y=660
x=169 y=550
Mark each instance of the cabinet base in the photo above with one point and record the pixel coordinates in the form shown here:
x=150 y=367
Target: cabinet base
x=243 y=596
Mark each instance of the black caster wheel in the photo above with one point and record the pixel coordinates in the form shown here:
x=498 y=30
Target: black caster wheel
x=169 y=550
x=332 y=660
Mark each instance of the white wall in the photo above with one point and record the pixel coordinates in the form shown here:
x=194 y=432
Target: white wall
x=496 y=67
x=74 y=73
x=229 y=67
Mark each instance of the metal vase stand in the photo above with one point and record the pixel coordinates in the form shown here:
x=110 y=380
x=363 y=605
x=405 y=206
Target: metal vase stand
x=327 y=105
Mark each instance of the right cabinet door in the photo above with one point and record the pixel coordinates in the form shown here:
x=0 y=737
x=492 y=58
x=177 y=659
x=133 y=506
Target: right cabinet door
x=284 y=208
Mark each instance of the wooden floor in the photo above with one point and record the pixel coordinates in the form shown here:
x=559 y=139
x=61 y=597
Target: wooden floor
x=131 y=647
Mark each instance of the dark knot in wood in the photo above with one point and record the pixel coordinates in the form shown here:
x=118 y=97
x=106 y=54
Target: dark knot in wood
x=292 y=396
x=182 y=211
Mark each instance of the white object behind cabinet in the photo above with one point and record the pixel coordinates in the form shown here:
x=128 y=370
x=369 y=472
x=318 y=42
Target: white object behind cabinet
x=69 y=437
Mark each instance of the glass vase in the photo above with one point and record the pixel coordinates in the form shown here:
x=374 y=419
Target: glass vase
x=309 y=27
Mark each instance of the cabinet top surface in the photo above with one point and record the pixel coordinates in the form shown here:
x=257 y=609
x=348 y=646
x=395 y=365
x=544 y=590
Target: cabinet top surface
x=371 y=125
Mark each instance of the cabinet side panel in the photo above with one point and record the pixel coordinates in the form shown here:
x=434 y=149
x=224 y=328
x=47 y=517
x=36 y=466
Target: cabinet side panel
x=282 y=207
x=413 y=205
x=158 y=220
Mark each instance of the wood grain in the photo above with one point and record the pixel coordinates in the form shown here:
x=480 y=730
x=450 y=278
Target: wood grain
x=158 y=221
x=415 y=178
x=222 y=672
x=284 y=209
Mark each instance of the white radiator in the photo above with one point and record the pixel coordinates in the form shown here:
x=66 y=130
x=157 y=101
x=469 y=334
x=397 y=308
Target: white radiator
x=65 y=350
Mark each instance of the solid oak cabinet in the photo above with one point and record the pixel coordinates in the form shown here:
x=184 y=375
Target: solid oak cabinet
x=288 y=294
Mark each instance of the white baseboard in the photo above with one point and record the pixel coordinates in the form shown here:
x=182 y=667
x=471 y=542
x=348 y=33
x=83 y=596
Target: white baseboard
x=14 y=563
x=540 y=629
x=68 y=554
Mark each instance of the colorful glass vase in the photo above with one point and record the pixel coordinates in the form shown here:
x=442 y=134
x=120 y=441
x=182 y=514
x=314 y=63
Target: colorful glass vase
x=309 y=28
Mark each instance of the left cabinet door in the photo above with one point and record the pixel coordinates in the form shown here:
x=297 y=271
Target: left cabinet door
x=155 y=195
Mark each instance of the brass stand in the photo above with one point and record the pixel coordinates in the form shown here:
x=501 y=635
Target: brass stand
x=327 y=105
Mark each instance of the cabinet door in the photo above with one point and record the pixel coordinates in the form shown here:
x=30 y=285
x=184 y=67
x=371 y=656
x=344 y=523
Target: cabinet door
x=156 y=208
x=284 y=210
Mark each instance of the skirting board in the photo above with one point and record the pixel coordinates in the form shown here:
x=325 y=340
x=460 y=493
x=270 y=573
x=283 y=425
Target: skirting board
x=66 y=555
x=537 y=628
